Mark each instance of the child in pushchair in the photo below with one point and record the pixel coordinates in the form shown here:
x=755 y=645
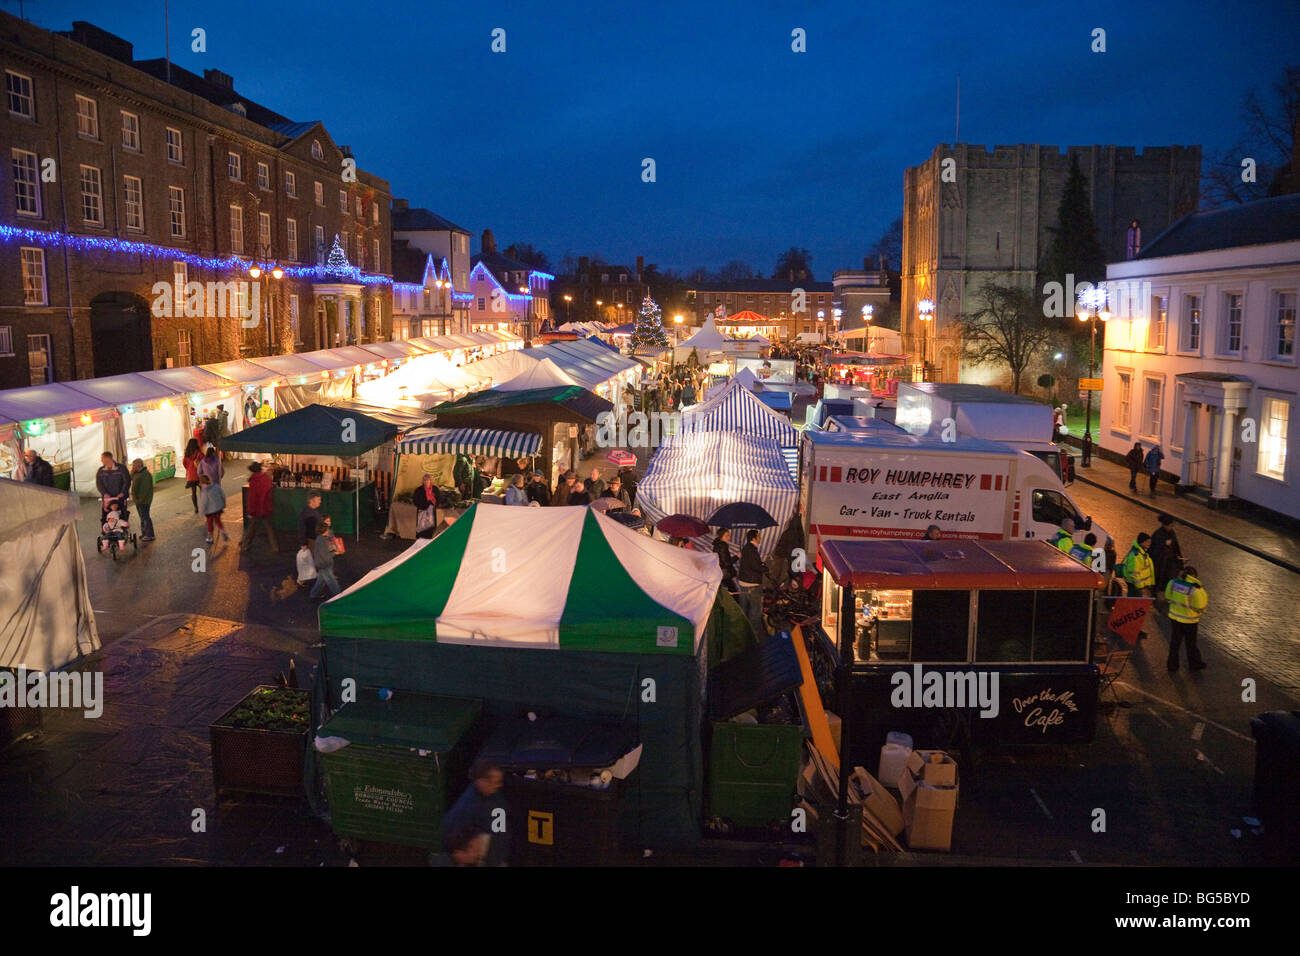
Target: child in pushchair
x=116 y=530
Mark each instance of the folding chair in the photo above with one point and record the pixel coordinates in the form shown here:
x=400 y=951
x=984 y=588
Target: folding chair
x=1112 y=667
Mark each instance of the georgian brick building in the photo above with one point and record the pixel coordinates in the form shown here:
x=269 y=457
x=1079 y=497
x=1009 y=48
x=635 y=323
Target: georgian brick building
x=124 y=173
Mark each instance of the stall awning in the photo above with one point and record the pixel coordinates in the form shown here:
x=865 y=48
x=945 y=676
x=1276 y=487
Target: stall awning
x=292 y=364
x=188 y=378
x=567 y=403
x=345 y=356
x=469 y=441
x=314 y=430
x=46 y=401
x=401 y=417
x=242 y=371
x=955 y=565
x=403 y=349
x=126 y=389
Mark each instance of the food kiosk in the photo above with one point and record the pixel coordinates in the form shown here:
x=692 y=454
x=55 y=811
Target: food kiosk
x=991 y=636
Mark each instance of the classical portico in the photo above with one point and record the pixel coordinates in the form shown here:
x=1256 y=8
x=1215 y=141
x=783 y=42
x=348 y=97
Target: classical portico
x=1212 y=402
x=343 y=313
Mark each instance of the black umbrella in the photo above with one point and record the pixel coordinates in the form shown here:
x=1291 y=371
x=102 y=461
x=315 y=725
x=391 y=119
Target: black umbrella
x=741 y=514
x=635 y=522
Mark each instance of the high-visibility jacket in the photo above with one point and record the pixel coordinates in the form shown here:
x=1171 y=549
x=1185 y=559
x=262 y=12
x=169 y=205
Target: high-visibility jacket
x=1063 y=540
x=1082 y=553
x=1138 y=568
x=1187 y=599
x=264 y=414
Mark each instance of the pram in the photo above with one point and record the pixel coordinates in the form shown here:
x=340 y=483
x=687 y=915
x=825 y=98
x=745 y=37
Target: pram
x=115 y=530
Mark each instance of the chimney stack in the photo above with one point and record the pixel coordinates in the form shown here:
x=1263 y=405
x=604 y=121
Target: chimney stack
x=583 y=265
x=218 y=78
x=640 y=267
x=488 y=244
x=401 y=205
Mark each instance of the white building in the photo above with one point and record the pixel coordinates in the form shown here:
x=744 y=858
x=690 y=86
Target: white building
x=1201 y=354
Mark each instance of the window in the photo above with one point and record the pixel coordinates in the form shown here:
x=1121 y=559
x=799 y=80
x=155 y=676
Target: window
x=264 y=231
x=293 y=316
x=1050 y=507
x=1160 y=317
x=320 y=194
x=1284 y=325
x=181 y=273
x=27 y=189
x=1232 y=322
x=18 y=89
x=1151 y=408
x=1036 y=626
x=291 y=238
x=1122 y=405
x=375 y=248
x=1272 y=440
x=235 y=167
x=133 y=203
x=6 y=340
x=92 y=196
x=87 y=117
x=361 y=252
x=374 y=213
x=175 y=147
x=176 y=210
x=358 y=208
x=184 y=348
x=320 y=245
x=130 y=131
x=482 y=304
x=237 y=230
x=316 y=151
x=1191 y=323
x=39 y=351
x=33 y=276
x=343 y=201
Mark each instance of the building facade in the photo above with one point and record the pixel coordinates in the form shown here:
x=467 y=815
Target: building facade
x=973 y=215
x=431 y=265
x=862 y=299
x=1201 y=354
x=134 y=200
x=796 y=307
x=599 y=292
x=507 y=294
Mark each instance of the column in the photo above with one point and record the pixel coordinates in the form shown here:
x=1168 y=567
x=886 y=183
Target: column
x=1189 y=442
x=1223 y=473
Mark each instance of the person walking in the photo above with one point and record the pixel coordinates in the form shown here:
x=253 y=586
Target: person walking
x=190 y=461
x=751 y=583
x=1166 y=553
x=1188 y=600
x=39 y=471
x=223 y=425
x=142 y=495
x=113 y=483
x=1139 y=571
x=1152 y=464
x=211 y=466
x=212 y=501
x=1134 y=460
x=322 y=553
x=482 y=809
x=726 y=560
x=212 y=430
x=309 y=519
x=616 y=490
x=257 y=509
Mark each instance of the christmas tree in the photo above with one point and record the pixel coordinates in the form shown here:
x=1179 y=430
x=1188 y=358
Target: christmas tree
x=649 y=331
x=337 y=260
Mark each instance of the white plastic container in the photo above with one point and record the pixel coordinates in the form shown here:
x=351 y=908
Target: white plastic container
x=893 y=757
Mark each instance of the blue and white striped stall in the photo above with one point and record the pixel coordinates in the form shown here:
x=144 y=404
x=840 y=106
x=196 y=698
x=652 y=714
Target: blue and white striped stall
x=736 y=409
x=469 y=441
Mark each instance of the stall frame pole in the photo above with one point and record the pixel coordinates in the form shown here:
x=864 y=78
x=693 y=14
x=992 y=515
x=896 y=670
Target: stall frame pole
x=843 y=676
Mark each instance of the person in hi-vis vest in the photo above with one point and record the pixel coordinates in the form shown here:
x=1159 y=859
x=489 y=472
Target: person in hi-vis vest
x=1187 y=602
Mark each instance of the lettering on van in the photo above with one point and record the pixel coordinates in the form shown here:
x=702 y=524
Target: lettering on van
x=910 y=479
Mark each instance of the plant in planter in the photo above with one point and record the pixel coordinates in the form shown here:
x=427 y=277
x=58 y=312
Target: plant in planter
x=258 y=745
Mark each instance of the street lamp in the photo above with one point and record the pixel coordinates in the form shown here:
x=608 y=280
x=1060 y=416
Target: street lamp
x=867 y=312
x=1092 y=306
x=258 y=274
x=568 y=308
x=925 y=311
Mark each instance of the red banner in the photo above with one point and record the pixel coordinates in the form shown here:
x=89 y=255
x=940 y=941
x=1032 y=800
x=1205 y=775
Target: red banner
x=1127 y=617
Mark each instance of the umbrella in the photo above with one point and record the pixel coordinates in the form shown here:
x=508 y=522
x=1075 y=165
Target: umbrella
x=606 y=504
x=683 y=526
x=634 y=522
x=624 y=459
x=742 y=514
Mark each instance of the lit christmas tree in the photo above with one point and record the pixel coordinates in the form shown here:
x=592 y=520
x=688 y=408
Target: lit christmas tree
x=337 y=260
x=649 y=331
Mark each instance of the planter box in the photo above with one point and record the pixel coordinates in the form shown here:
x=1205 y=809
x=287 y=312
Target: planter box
x=248 y=760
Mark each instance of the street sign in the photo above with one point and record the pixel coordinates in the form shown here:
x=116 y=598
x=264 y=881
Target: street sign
x=1090 y=385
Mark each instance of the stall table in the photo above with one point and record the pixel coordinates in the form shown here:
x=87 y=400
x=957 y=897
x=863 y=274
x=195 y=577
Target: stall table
x=340 y=504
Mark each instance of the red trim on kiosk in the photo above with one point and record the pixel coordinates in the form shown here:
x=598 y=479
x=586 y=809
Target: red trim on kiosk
x=962 y=565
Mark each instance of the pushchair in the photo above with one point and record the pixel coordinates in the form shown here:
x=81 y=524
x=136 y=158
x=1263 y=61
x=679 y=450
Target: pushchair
x=115 y=528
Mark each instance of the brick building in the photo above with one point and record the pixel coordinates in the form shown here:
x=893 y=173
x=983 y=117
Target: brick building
x=431 y=264
x=600 y=292
x=507 y=294
x=989 y=219
x=795 y=306
x=106 y=150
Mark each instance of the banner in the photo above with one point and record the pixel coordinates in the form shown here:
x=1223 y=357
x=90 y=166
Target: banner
x=1126 y=617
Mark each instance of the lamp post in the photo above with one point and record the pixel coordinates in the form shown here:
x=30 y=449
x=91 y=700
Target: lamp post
x=867 y=312
x=1092 y=306
x=568 y=308
x=258 y=274
x=925 y=311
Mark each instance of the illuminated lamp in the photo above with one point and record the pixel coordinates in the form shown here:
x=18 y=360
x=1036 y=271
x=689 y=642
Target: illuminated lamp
x=356 y=368
x=225 y=393
x=324 y=374
x=255 y=271
x=128 y=409
x=86 y=419
x=302 y=380
x=277 y=273
x=34 y=427
x=196 y=399
x=384 y=363
x=167 y=403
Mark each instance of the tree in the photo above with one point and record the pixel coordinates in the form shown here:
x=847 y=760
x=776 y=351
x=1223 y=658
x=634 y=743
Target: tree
x=736 y=270
x=890 y=246
x=794 y=262
x=649 y=331
x=1010 y=329
x=1074 y=247
x=528 y=254
x=1272 y=128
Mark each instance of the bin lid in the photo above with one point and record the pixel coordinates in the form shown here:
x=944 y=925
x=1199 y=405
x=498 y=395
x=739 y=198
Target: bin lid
x=753 y=677
x=556 y=743
x=405 y=720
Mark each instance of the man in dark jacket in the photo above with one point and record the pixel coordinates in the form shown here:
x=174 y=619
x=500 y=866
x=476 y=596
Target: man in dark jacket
x=309 y=519
x=537 y=490
x=482 y=809
x=722 y=548
x=1134 y=461
x=112 y=482
x=751 y=583
x=1166 y=553
x=142 y=495
x=39 y=471
x=617 y=491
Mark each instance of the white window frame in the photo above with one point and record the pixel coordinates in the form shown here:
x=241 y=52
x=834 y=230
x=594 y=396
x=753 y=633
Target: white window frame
x=316 y=151
x=131 y=133
x=321 y=251
x=291 y=239
x=295 y=315
x=263 y=176
x=374 y=213
x=180 y=274
x=14 y=93
x=1124 y=400
x=361 y=251
x=320 y=194
x=41 y=342
x=1227 y=321
x=184 y=348
x=237 y=229
x=1193 y=308
x=374 y=248
x=92 y=196
x=28 y=162
x=1152 y=386
x=87 y=117
x=175 y=146
x=264 y=231
x=6 y=341
x=32 y=259
x=1158 y=327
x=133 y=208
x=176 y=211
x=234 y=166
x=1276 y=324
x=290 y=184
x=343 y=201
x=1273 y=446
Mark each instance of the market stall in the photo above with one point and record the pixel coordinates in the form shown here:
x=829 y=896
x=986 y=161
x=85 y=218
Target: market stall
x=319 y=443
x=707 y=344
x=302 y=381
x=68 y=428
x=733 y=407
x=697 y=473
x=422 y=381
x=582 y=618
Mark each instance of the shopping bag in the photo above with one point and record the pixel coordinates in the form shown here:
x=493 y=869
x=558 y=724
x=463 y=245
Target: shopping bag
x=338 y=544
x=306 y=565
x=424 y=519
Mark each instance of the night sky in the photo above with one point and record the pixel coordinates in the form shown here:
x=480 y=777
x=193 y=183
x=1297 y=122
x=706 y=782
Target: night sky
x=757 y=148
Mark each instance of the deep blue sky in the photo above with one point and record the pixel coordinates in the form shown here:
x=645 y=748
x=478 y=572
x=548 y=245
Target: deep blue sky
x=757 y=148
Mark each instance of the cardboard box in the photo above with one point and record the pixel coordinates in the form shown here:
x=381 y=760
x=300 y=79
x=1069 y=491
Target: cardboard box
x=933 y=766
x=879 y=801
x=928 y=816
